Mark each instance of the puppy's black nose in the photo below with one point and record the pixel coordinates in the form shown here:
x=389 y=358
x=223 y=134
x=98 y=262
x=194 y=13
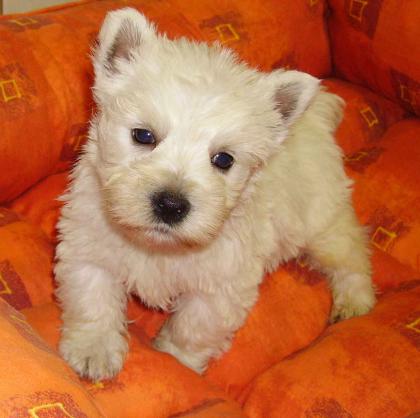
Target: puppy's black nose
x=169 y=207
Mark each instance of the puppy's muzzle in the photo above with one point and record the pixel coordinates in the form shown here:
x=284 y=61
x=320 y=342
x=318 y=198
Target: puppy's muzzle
x=170 y=208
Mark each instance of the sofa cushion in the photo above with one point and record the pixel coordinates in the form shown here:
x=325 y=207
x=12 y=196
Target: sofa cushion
x=45 y=72
x=387 y=193
x=38 y=383
x=376 y=44
x=362 y=367
x=367 y=115
x=26 y=255
x=151 y=384
x=41 y=204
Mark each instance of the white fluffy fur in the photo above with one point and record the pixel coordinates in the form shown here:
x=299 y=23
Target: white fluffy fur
x=285 y=195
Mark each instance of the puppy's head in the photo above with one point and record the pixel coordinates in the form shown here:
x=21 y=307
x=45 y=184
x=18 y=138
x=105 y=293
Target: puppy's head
x=182 y=130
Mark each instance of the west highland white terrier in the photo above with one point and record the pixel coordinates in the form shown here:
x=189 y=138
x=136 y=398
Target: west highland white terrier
x=200 y=175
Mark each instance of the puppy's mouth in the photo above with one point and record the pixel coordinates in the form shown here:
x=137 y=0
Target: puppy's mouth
x=161 y=236
x=157 y=229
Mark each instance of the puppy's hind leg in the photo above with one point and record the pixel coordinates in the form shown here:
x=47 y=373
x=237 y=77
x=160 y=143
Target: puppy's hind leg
x=342 y=252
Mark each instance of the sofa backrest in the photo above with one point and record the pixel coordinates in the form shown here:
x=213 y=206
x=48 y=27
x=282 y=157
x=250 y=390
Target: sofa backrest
x=376 y=43
x=45 y=72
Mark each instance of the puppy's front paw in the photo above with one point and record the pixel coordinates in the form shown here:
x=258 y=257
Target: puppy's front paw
x=195 y=361
x=97 y=358
x=352 y=298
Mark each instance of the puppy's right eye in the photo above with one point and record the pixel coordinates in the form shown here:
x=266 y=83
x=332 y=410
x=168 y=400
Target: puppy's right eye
x=143 y=136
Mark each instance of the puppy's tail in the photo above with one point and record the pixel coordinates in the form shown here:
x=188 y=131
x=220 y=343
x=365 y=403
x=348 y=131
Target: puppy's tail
x=330 y=108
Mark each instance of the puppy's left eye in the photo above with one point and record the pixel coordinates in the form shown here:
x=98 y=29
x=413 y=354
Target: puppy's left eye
x=222 y=160
x=143 y=136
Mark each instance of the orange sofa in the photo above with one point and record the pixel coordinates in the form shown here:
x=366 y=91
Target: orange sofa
x=286 y=361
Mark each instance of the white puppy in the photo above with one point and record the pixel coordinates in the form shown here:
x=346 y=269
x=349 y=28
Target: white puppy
x=200 y=175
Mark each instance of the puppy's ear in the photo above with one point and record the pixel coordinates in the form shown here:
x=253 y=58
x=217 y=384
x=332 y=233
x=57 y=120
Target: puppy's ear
x=293 y=92
x=121 y=37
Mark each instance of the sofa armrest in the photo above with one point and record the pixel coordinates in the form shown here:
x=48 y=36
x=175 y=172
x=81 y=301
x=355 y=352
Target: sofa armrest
x=38 y=381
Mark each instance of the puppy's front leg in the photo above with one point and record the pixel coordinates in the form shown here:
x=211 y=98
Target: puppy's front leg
x=93 y=333
x=203 y=325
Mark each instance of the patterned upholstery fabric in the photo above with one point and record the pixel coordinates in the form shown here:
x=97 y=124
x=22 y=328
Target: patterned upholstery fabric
x=25 y=262
x=286 y=361
x=355 y=369
x=376 y=43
